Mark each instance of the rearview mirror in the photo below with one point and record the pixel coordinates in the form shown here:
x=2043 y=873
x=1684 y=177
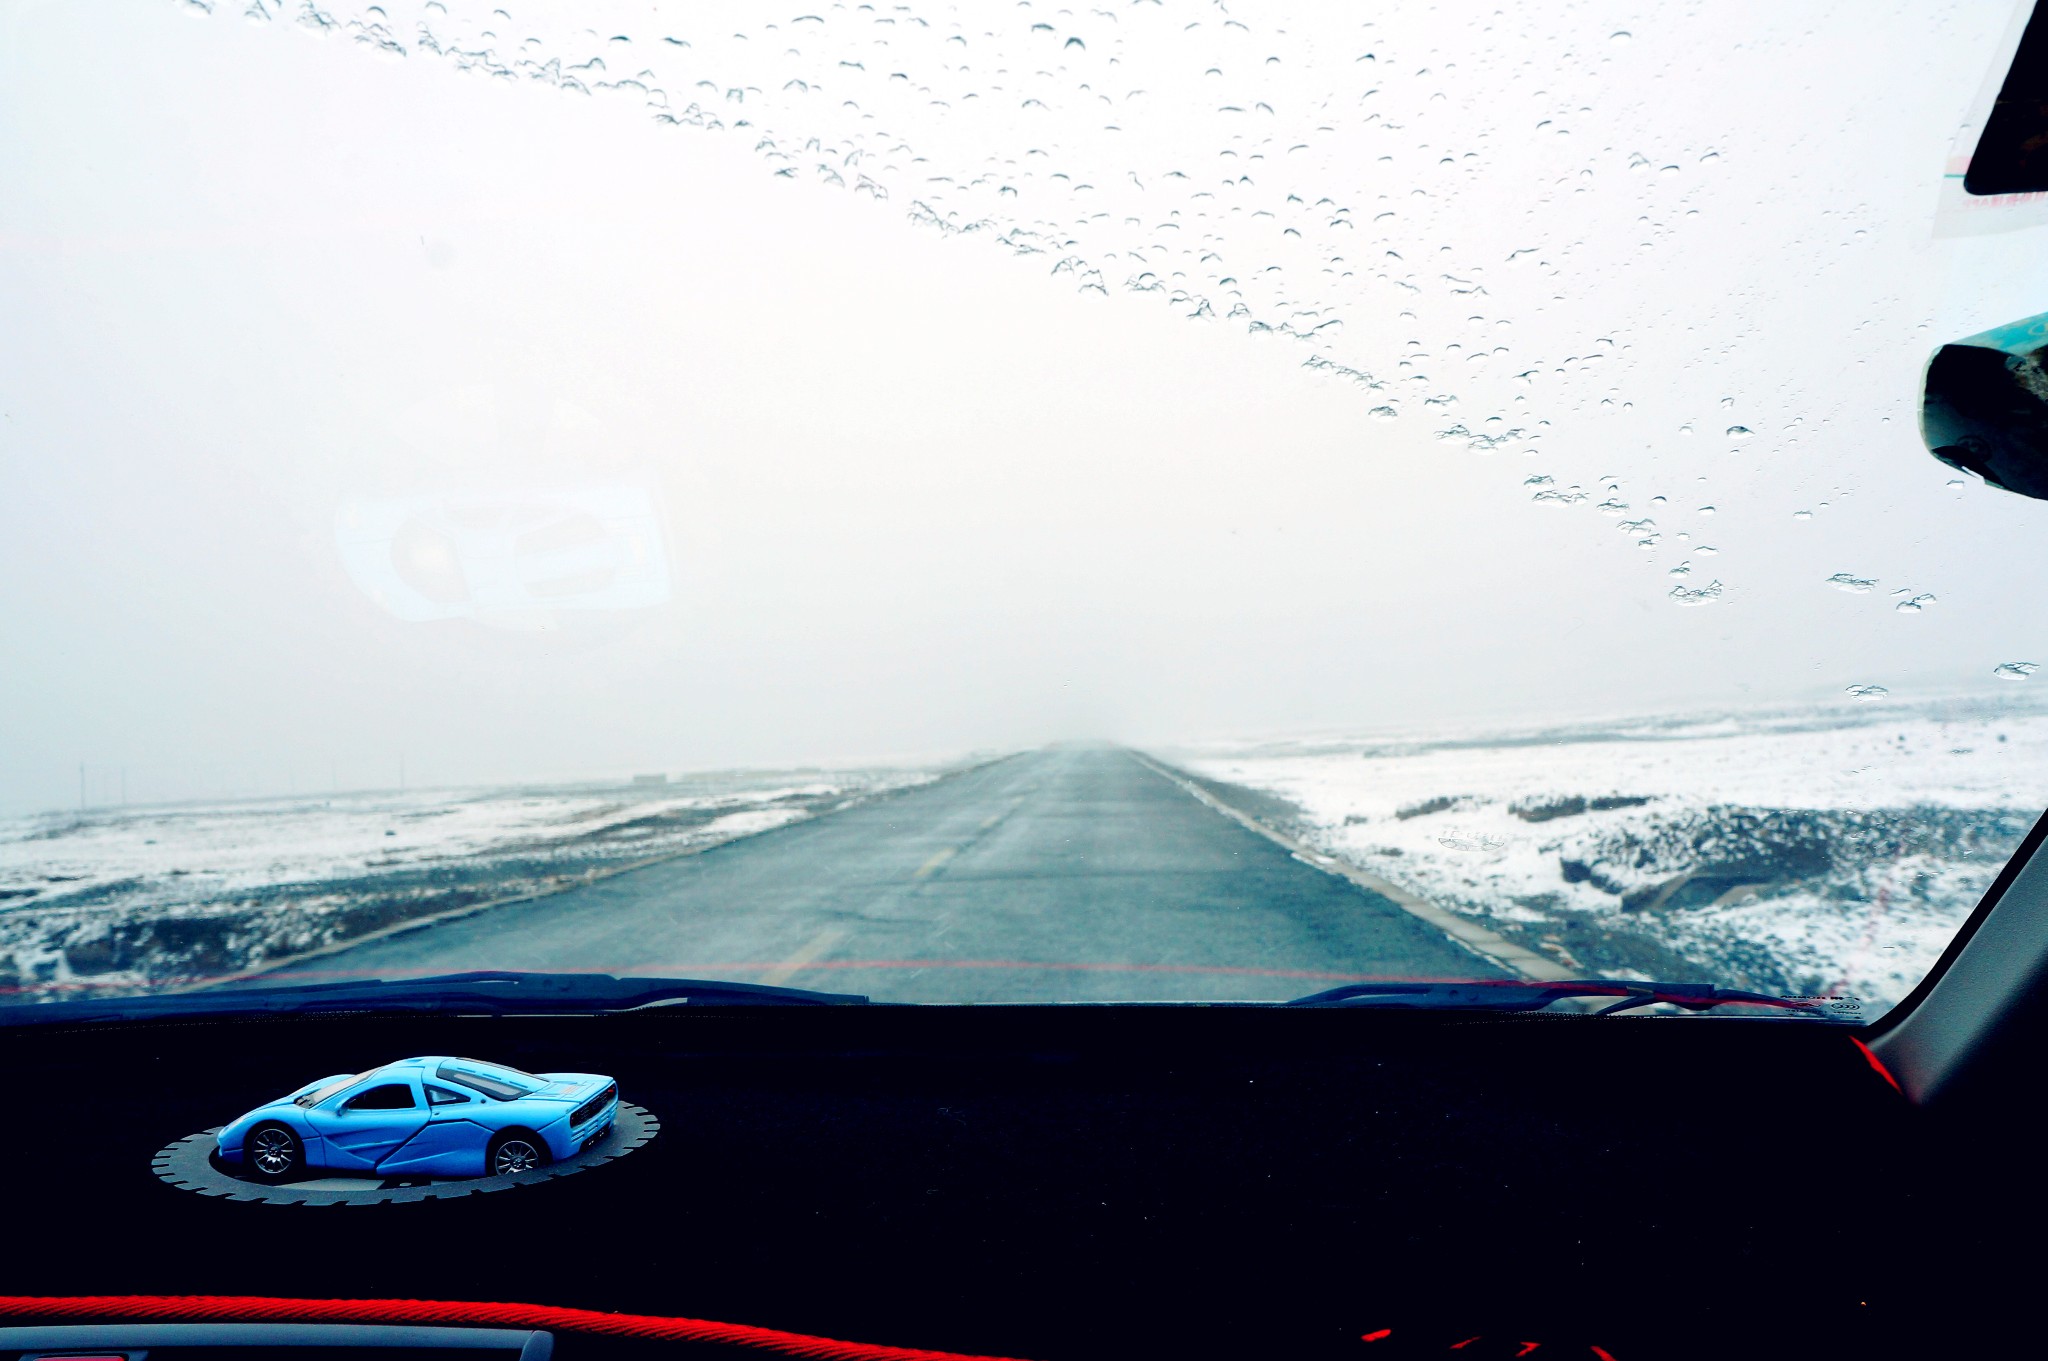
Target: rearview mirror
x=1986 y=406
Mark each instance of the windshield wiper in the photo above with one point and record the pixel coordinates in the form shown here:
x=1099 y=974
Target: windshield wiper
x=1525 y=995
x=496 y=993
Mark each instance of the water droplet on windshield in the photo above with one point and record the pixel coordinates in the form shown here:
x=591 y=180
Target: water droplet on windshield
x=1707 y=510
x=1740 y=432
x=1802 y=515
x=1854 y=585
x=1868 y=692
x=1914 y=604
x=1727 y=402
x=1383 y=413
x=1620 y=36
x=1696 y=595
x=2015 y=670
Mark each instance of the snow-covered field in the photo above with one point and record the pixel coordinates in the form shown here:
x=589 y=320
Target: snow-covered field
x=1790 y=851
x=127 y=898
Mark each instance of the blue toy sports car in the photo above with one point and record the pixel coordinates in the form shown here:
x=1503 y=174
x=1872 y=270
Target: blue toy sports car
x=431 y=1117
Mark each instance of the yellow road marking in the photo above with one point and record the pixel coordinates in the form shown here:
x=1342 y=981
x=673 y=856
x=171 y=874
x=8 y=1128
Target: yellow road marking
x=794 y=965
x=925 y=870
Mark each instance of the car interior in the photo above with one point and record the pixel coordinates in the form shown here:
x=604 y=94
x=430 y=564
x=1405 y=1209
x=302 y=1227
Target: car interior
x=1540 y=1160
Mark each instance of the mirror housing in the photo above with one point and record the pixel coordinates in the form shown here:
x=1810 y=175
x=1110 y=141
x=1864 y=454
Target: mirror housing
x=1985 y=406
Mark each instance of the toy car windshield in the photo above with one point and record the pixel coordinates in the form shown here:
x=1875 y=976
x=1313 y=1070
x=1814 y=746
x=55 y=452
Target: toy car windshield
x=321 y=1093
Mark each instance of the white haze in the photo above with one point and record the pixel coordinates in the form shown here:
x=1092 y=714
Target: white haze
x=917 y=492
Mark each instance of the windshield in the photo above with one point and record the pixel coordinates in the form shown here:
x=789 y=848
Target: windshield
x=327 y=1089
x=1161 y=501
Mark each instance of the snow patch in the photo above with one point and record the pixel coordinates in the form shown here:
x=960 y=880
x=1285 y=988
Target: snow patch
x=1793 y=851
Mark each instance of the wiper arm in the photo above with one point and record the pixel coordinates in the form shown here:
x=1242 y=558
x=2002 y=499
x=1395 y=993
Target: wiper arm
x=497 y=993
x=1525 y=995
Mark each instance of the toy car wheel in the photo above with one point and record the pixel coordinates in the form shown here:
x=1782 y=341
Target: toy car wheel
x=271 y=1152
x=515 y=1151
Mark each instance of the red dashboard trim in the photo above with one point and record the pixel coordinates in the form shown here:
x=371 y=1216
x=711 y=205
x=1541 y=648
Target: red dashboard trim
x=269 y=1309
x=1875 y=1062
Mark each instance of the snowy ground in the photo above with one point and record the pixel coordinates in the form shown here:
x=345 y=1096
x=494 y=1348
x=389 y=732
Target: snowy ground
x=1794 y=852
x=128 y=898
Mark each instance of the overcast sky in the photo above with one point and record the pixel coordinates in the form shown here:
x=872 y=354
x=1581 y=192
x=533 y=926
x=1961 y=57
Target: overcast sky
x=873 y=488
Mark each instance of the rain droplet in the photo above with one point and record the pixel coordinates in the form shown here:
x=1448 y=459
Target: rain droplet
x=1685 y=429
x=1620 y=36
x=1383 y=413
x=1727 y=402
x=1868 y=692
x=1854 y=585
x=1739 y=431
x=1696 y=595
x=2015 y=670
x=1802 y=515
x=1914 y=604
x=1707 y=510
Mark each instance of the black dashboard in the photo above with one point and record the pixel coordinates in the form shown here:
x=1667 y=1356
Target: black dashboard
x=1053 y=1182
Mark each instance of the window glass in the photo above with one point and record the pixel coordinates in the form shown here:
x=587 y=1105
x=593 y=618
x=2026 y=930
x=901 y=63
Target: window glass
x=1141 y=502
x=441 y=1096
x=391 y=1096
x=325 y=1090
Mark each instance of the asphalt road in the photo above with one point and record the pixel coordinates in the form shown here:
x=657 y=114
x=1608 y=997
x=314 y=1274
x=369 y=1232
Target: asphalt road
x=1067 y=874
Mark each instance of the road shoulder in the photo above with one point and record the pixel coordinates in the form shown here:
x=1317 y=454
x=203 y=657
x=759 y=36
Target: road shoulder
x=1490 y=946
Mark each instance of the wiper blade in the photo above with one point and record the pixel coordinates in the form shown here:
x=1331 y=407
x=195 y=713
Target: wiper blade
x=490 y=992
x=1526 y=995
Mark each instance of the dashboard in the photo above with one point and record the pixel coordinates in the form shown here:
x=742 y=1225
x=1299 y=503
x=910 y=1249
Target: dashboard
x=1033 y=1182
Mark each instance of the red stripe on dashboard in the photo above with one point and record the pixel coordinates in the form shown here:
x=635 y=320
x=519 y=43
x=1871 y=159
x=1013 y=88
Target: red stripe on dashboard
x=1875 y=1062
x=267 y=1309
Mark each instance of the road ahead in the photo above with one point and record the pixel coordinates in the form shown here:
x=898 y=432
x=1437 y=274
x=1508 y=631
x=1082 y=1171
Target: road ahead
x=1068 y=874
